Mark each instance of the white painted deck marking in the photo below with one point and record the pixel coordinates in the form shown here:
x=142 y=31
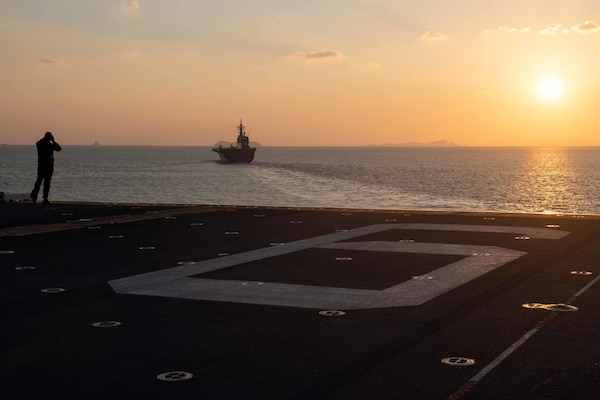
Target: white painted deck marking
x=511 y=349
x=176 y=282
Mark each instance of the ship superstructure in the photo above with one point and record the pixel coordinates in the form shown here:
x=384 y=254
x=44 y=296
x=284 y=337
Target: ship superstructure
x=241 y=152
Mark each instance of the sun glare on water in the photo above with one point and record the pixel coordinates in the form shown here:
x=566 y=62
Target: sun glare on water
x=549 y=88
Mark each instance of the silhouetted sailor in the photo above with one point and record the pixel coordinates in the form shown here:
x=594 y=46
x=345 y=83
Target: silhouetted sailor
x=45 y=148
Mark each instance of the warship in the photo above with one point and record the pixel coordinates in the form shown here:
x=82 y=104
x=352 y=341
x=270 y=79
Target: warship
x=241 y=152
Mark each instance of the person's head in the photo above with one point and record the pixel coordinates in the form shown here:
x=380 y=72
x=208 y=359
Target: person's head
x=48 y=136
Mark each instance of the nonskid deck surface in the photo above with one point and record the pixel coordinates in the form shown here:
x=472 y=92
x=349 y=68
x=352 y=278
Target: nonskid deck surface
x=174 y=302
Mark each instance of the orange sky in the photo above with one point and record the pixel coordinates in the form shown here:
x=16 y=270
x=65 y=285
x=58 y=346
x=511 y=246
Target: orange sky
x=341 y=72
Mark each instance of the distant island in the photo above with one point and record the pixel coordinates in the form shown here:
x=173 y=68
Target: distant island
x=96 y=144
x=223 y=143
x=438 y=143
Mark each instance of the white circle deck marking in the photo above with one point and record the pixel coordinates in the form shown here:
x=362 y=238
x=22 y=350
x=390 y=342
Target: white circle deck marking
x=459 y=361
x=7 y=252
x=67 y=214
x=174 y=376
x=94 y=227
x=146 y=248
x=554 y=226
x=295 y=222
x=223 y=254
x=522 y=237
x=106 y=324
x=170 y=217
x=196 y=224
x=406 y=241
x=276 y=244
x=584 y=273
x=116 y=236
x=24 y=268
x=259 y=215
x=343 y=259
x=232 y=233
x=186 y=263
x=252 y=283
x=332 y=313
x=560 y=307
x=391 y=220
x=53 y=290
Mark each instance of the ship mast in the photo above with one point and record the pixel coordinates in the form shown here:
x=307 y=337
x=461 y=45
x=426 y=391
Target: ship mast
x=242 y=139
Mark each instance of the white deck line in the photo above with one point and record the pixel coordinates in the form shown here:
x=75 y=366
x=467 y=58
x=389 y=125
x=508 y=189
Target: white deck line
x=513 y=347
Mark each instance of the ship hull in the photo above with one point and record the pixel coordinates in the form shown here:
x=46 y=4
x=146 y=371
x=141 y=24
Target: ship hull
x=233 y=155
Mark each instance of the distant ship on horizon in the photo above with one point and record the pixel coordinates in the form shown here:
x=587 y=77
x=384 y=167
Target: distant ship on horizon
x=241 y=152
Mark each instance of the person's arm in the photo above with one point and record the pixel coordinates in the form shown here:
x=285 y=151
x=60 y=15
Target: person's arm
x=56 y=145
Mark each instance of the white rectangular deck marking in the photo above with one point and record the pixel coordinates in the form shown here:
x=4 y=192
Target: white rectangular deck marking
x=176 y=282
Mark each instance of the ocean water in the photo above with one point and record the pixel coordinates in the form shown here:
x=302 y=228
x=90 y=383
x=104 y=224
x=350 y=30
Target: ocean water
x=513 y=179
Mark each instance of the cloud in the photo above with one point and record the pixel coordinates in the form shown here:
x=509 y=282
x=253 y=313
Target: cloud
x=507 y=30
x=52 y=61
x=550 y=30
x=433 y=36
x=318 y=55
x=586 y=27
x=130 y=5
x=554 y=29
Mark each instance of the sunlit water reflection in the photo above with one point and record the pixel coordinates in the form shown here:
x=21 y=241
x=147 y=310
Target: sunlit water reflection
x=551 y=182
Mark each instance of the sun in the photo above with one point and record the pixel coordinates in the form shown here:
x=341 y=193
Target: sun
x=549 y=88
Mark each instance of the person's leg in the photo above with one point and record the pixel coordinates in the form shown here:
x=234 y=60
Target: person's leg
x=47 y=178
x=36 y=186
